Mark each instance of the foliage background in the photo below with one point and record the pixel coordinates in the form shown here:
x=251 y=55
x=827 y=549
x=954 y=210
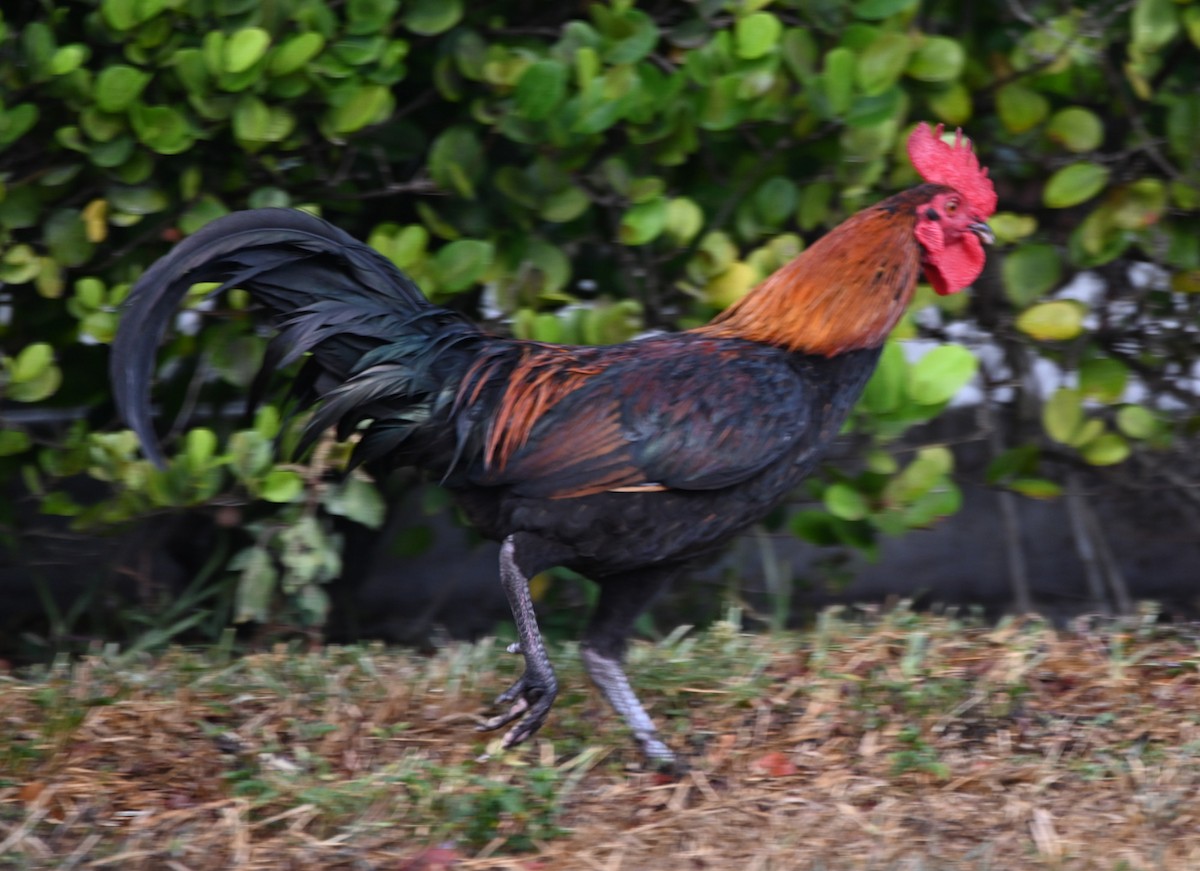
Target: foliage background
x=584 y=173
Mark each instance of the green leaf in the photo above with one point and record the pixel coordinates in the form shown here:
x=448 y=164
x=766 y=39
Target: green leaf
x=885 y=390
x=723 y=106
x=161 y=128
x=295 y=53
x=1062 y=415
x=199 y=447
x=1074 y=184
x=643 y=222
x=431 y=17
x=120 y=14
x=461 y=263
x=404 y=246
x=251 y=119
x=1191 y=21
x=877 y=10
x=815 y=527
x=541 y=88
x=244 y=48
x=1091 y=430
x=927 y=471
x=359 y=107
x=565 y=205
x=952 y=104
x=65 y=235
x=1153 y=24
x=118 y=86
x=14 y=442
x=1035 y=488
x=256 y=585
x=281 y=485
x=882 y=62
x=633 y=35
x=1103 y=378
x=684 y=219
x=356 y=500
x=1057 y=321
x=1030 y=272
x=938 y=502
x=1106 y=450
x=842 y=500
x=815 y=200
x=371 y=16
x=1076 y=129
x=1010 y=227
x=15 y=122
x=1137 y=422
x=937 y=59
x=139 y=200
x=775 y=200
x=1021 y=108
x=456 y=160
x=838 y=79
x=756 y=34
x=68 y=58
x=730 y=284
x=1139 y=205
x=1183 y=124
x=36 y=388
x=940 y=374
x=31 y=362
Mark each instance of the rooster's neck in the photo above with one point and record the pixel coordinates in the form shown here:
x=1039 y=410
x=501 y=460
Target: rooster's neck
x=846 y=292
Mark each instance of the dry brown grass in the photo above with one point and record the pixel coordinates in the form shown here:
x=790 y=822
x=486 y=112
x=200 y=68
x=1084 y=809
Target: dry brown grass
x=911 y=743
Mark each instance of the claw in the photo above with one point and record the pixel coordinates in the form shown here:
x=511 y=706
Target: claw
x=507 y=717
x=512 y=693
x=531 y=700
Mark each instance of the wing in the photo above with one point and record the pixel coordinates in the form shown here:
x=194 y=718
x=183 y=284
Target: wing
x=694 y=415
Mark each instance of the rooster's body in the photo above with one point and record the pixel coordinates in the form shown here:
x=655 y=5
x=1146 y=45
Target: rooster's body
x=623 y=462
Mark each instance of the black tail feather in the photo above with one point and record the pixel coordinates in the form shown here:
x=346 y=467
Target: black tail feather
x=327 y=293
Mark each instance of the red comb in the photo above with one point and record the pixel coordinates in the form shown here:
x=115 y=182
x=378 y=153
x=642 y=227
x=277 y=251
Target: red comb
x=952 y=165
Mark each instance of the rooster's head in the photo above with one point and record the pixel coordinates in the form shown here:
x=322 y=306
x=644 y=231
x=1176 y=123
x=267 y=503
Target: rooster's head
x=952 y=226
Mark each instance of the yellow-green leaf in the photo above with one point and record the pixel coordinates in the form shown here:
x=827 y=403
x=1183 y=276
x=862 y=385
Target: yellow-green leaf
x=1062 y=415
x=1106 y=450
x=755 y=35
x=1136 y=421
x=1021 y=108
x=1057 y=321
x=937 y=59
x=1074 y=184
x=1030 y=272
x=244 y=48
x=1076 y=129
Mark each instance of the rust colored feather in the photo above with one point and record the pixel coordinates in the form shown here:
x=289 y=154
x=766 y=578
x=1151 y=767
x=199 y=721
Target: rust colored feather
x=542 y=377
x=845 y=292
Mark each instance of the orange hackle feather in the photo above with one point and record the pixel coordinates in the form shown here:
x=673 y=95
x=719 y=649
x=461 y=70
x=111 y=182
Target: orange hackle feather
x=845 y=292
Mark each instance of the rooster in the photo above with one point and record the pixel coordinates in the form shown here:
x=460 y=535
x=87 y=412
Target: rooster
x=624 y=463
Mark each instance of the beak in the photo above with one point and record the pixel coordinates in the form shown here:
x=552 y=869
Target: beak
x=983 y=231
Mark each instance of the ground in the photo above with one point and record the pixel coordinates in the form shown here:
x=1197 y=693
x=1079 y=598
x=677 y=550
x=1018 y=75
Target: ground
x=894 y=742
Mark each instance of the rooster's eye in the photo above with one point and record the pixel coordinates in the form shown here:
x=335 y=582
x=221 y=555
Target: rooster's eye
x=951 y=207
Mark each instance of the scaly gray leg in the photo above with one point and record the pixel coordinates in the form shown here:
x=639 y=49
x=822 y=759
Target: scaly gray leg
x=533 y=694
x=622 y=599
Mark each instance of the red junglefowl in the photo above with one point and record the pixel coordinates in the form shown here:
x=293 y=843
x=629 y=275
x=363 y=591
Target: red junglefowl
x=624 y=463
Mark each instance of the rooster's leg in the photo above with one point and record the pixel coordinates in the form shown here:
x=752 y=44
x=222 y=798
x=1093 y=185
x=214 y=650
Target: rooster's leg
x=533 y=694
x=622 y=599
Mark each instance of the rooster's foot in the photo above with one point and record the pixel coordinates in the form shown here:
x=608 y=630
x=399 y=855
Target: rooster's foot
x=531 y=699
